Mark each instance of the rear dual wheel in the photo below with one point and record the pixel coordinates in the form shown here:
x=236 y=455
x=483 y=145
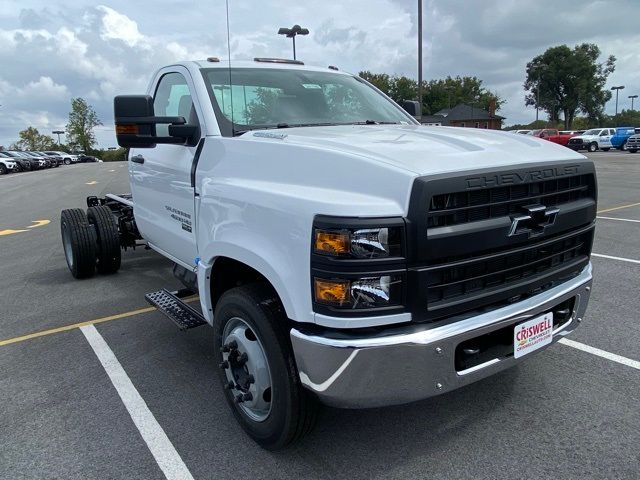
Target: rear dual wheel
x=91 y=241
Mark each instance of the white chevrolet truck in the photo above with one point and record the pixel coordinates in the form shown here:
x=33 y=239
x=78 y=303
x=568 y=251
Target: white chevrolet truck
x=343 y=253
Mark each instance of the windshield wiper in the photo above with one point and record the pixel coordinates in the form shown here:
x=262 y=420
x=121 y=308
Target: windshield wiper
x=372 y=122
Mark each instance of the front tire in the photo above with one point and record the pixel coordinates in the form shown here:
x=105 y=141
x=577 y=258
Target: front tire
x=79 y=243
x=263 y=390
x=107 y=239
x=592 y=147
x=67 y=161
x=3 y=169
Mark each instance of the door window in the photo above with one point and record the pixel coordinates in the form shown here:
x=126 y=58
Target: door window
x=173 y=99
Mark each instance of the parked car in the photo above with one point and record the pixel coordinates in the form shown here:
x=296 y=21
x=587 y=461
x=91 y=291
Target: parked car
x=18 y=167
x=25 y=161
x=67 y=158
x=7 y=165
x=633 y=143
x=88 y=159
x=553 y=135
x=619 y=139
x=47 y=163
x=56 y=160
x=592 y=140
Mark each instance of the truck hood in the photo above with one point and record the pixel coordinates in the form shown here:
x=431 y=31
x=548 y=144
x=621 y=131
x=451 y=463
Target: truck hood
x=420 y=149
x=587 y=137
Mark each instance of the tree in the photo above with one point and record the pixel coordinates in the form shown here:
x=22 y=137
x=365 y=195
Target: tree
x=82 y=120
x=449 y=92
x=31 y=139
x=569 y=81
x=379 y=80
x=436 y=94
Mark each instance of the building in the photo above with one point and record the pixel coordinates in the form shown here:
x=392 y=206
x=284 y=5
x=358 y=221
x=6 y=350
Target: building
x=463 y=115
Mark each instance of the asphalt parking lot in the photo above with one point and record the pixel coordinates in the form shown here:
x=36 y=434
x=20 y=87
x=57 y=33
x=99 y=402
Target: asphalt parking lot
x=567 y=413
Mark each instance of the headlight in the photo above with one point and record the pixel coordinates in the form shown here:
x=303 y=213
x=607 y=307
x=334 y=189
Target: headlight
x=359 y=242
x=364 y=292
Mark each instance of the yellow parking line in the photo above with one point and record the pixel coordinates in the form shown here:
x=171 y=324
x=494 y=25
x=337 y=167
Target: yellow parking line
x=618 y=208
x=66 y=328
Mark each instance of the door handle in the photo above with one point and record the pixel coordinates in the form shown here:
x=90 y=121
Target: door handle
x=137 y=159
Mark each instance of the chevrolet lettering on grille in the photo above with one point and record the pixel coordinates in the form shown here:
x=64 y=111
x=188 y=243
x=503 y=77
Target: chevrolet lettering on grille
x=533 y=221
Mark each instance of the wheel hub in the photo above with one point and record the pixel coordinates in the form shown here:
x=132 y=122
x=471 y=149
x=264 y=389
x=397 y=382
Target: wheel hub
x=246 y=368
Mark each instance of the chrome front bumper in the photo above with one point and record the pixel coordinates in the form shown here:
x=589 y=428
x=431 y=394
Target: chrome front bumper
x=409 y=363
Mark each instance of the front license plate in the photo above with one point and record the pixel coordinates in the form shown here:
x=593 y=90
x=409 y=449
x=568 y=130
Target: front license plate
x=532 y=335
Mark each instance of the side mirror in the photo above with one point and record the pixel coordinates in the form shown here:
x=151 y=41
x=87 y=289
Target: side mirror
x=412 y=107
x=136 y=124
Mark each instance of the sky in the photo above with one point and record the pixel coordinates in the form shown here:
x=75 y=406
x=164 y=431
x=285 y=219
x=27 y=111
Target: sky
x=51 y=52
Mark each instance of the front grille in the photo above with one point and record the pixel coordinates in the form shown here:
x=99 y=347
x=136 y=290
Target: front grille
x=487 y=279
x=464 y=257
x=474 y=205
x=575 y=141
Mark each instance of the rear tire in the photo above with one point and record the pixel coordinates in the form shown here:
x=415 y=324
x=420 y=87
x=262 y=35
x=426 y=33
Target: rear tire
x=632 y=150
x=79 y=243
x=107 y=239
x=293 y=410
x=592 y=147
x=3 y=169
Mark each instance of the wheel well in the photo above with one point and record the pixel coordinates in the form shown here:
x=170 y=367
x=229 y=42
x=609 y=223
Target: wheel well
x=228 y=273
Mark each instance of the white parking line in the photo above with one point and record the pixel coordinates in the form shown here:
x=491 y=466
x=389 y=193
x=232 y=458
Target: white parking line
x=161 y=448
x=630 y=260
x=601 y=353
x=620 y=219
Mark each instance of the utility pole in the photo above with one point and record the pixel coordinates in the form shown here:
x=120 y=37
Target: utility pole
x=58 y=132
x=632 y=97
x=420 y=55
x=291 y=33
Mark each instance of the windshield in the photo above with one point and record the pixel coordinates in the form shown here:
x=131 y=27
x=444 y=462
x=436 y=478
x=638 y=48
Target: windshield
x=279 y=98
x=593 y=131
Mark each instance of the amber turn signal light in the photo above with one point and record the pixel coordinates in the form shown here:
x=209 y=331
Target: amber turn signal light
x=332 y=242
x=127 y=129
x=332 y=292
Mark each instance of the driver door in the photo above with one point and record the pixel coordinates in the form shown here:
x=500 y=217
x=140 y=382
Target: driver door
x=164 y=201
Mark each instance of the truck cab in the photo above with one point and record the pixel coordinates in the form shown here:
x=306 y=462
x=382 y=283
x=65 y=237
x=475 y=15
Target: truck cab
x=343 y=253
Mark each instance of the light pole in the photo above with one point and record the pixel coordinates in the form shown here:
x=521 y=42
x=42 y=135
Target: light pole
x=58 y=132
x=617 y=89
x=539 y=69
x=632 y=97
x=291 y=33
x=420 y=55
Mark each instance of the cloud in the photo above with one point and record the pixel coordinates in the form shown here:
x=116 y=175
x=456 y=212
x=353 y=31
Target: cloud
x=116 y=26
x=56 y=51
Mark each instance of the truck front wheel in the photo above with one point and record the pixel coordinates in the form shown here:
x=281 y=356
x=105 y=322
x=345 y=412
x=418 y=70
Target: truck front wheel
x=592 y=147
x=257 y=367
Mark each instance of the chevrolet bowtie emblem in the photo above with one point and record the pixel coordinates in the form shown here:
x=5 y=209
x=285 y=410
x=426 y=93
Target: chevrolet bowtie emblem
x=533 y=220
